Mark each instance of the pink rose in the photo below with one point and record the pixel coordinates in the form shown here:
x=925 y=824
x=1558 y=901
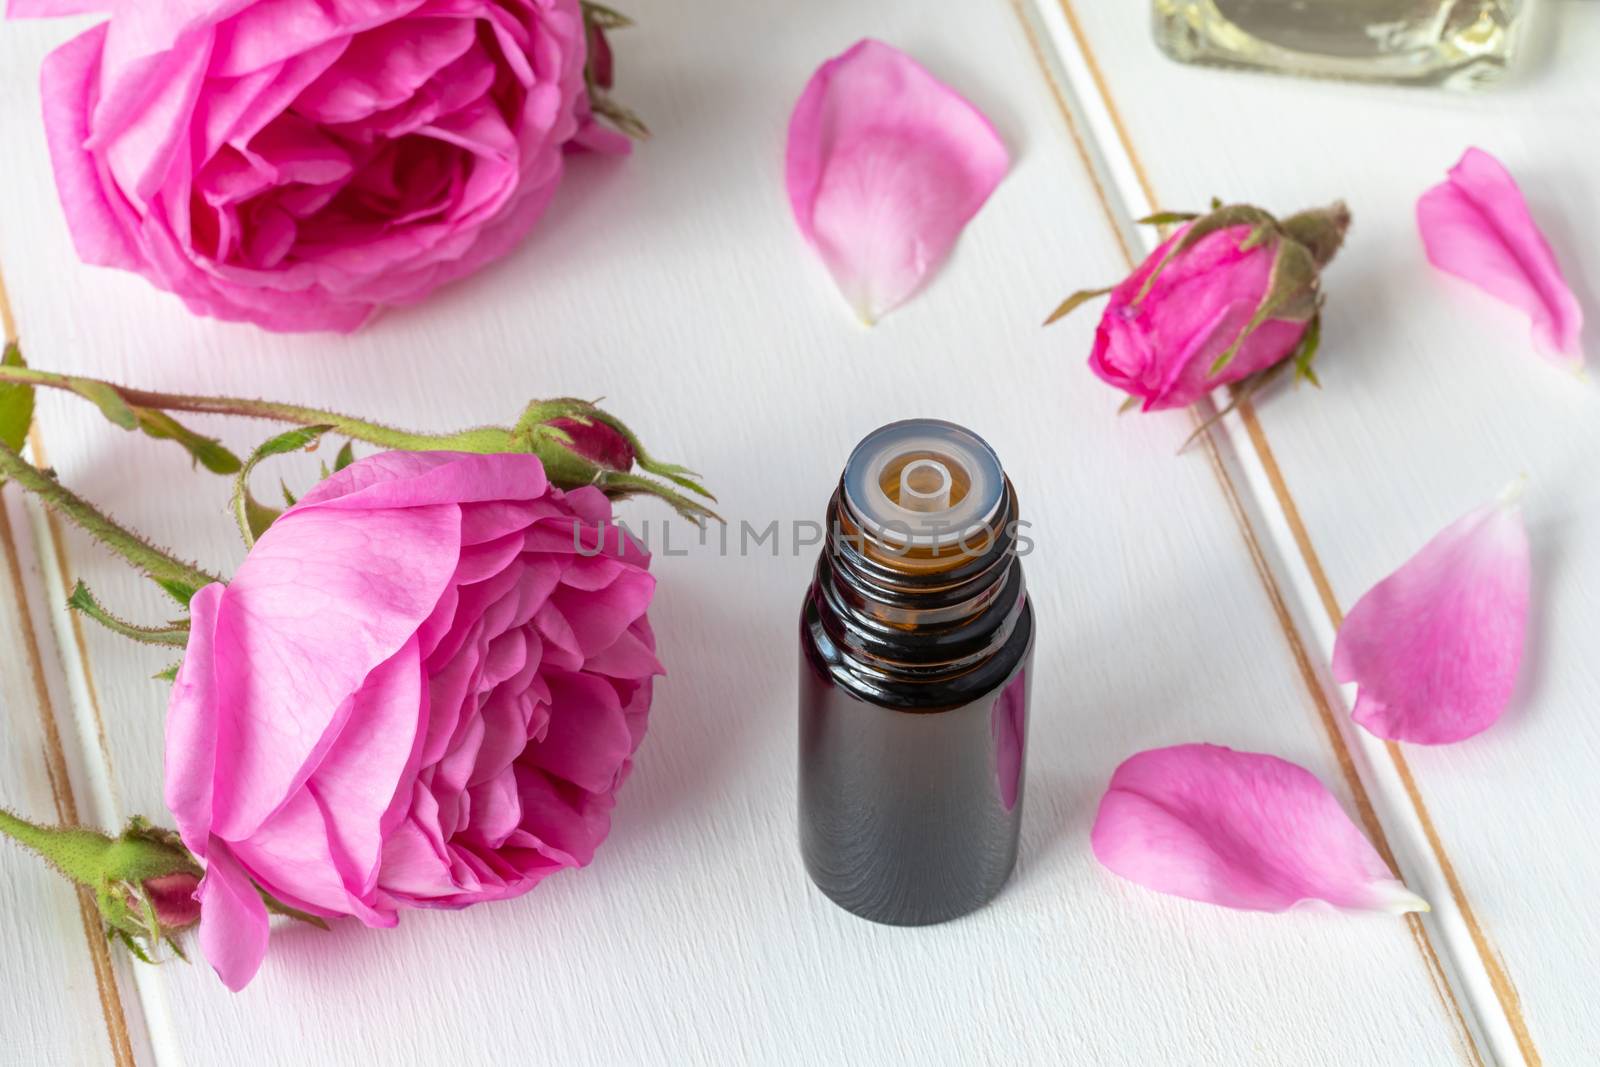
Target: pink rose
x=299 y=164
x=1159 y=340
x=422 y=688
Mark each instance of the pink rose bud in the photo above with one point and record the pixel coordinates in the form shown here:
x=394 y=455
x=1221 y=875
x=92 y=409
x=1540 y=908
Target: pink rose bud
x=1228 y=297
x=173 y=898
x=423 y=687
x=597 y=443
x=145 y=871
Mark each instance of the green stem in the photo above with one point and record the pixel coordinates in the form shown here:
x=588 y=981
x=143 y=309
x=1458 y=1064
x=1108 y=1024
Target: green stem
x=163 y=567
x=74 y=851
x=483 y=439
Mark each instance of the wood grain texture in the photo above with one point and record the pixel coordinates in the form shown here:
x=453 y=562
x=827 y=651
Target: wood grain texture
x=674 y=284
x=1433 y=400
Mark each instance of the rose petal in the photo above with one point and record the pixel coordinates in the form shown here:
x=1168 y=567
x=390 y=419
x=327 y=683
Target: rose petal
x=1434 y=648
x=885 y=166
x=191 y=749
x=233 y=920
x=1239 y=829
x=68 y=85
x=1476 y=226
x=325 y=596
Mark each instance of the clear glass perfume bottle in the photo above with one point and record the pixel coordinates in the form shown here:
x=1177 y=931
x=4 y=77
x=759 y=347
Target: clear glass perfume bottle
x=1455 y=43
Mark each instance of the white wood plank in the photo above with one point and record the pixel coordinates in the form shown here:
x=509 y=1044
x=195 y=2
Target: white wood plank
x=47 y=951
x=1433 y=399
x=675 y=285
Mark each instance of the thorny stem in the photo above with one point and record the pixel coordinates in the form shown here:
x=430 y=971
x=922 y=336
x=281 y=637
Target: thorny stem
x=158 y=564
x=483 y=439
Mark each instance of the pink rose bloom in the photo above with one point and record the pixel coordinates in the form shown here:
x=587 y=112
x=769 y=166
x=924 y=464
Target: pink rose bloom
x=300 y=164
x=422 y=688
x=1160 y=347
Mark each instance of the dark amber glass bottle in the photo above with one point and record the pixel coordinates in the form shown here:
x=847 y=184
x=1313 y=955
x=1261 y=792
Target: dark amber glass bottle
x=915 y=640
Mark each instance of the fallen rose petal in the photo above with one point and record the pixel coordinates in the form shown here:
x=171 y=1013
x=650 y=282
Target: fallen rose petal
x=1476 y=226
x=1239 y=829
x=885 y=166
x=1434 y=648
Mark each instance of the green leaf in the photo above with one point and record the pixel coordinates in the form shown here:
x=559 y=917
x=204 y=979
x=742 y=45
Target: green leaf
x=107 y=399
x=207 y=451
x=253 y=517
x=182 y=592
x=346 y=456
x=1167 y=218
x=1075 y=301
x=83 y=601
x=16 y=403
x=168 y=674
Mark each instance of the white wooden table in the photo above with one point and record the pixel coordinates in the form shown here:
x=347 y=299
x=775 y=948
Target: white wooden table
x=1179 y=599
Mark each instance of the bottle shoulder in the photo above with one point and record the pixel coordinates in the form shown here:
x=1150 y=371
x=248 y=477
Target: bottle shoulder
x=913 y=691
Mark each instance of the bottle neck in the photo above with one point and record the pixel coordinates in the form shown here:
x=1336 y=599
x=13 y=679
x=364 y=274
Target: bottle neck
x=917 y=616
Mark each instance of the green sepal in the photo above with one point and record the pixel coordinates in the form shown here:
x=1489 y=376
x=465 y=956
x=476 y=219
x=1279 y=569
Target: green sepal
x=254 y=517
x=1129 y=404
x=1075 y=301
x=168 y=674
x=604 y=17
x=278 y=907
x=1291 y=294
x=624 y=119
x=1221 y=217
x=1321 y=230
x=1258 y=237
x=175 y=634
x=346 y=456
x=206 y=451
x=568 y=469
x=1238 y=393
x=1306 y=351
x=1167 y=218
x=16 y=402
